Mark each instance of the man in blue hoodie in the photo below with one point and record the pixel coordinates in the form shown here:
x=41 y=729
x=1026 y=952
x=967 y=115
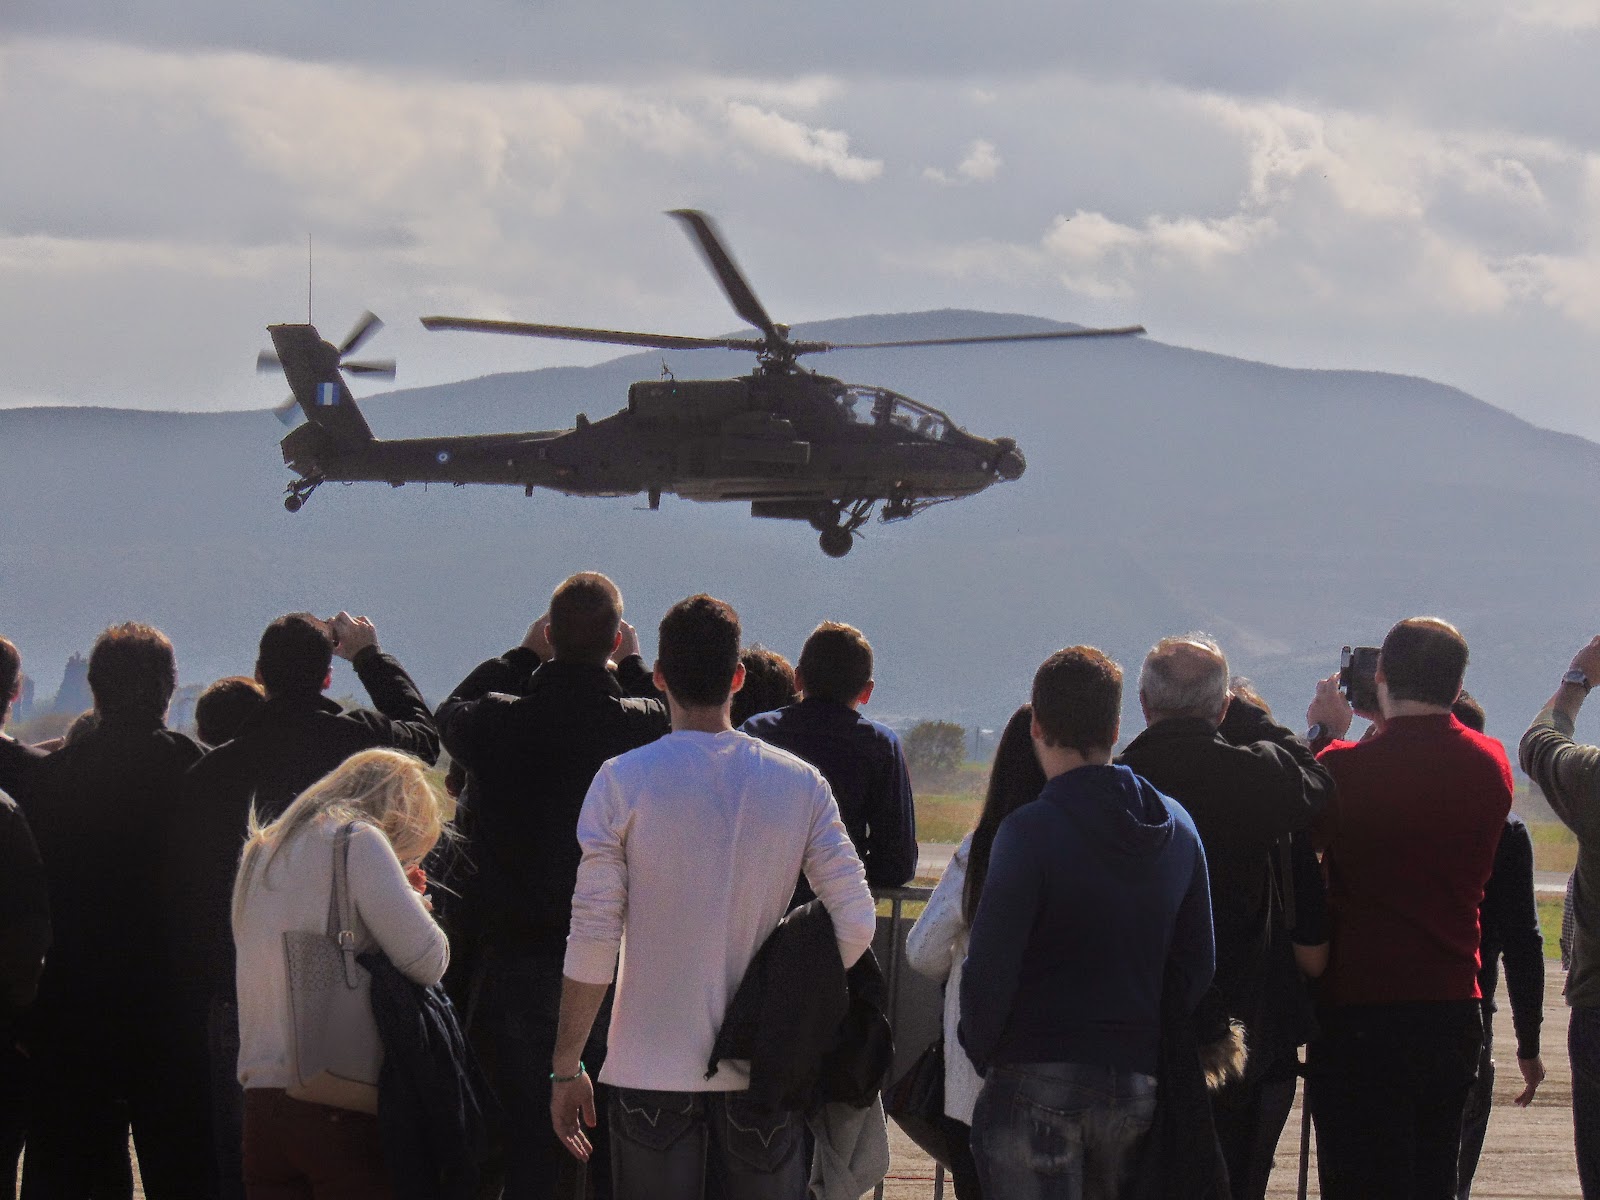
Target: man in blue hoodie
x=1094 y=892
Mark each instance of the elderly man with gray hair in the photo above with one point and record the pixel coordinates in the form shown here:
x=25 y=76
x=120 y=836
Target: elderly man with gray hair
x=1248 y=783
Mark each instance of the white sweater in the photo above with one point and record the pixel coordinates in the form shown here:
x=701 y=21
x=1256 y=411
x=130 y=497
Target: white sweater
x=293 y=894
x=937 y=947
x=691 y=849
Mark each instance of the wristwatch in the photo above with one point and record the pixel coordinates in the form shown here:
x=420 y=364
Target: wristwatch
x=1318 y=732
x=1577 y=678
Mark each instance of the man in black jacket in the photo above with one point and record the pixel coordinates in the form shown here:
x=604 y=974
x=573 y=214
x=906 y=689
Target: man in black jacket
x=101 y=1035
x=531 y=758
x=24 y=928
x=1246 y=791
x=18 y=763
x=297 y=737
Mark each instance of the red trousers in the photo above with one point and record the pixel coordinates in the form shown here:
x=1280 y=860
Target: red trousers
x=299 y=1151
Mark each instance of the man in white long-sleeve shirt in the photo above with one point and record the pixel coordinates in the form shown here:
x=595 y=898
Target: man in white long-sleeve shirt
x=691 y=846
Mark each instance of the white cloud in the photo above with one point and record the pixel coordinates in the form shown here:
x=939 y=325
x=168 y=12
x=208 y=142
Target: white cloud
x=1562 y=15
x=1244 y=194
x=981 y=165
x=790 y=140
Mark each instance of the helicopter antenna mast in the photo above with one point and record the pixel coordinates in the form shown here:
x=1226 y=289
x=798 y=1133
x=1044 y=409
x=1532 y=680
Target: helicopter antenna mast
x=308 y=280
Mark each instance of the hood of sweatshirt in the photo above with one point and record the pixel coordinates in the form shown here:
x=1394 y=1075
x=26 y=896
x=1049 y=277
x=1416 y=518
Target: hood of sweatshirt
x=1120 y=810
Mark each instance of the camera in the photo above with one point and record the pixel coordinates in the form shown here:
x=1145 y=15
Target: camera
x=1358 y=677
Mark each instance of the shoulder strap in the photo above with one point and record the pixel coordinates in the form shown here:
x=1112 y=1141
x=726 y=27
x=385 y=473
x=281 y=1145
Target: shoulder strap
x=341 y=914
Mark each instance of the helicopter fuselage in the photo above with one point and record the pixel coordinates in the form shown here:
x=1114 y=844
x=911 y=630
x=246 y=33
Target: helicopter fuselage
x=791 y=445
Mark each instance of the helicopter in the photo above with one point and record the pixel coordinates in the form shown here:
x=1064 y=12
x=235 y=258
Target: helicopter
x=792 y=443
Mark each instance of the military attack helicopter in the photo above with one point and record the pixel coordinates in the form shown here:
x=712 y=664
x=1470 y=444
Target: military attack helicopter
x=793 y=444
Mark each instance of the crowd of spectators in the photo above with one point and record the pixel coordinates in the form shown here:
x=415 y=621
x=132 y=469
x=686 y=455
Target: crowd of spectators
x=645 y=914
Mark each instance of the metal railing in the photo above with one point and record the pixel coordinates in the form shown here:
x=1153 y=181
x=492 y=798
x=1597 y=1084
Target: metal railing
x=913 y=999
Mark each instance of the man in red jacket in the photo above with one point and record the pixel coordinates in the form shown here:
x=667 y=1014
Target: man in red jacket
x=1409 y=843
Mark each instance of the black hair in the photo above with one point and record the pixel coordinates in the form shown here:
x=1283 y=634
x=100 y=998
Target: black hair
x=132 y=672
x=585 y=614
x=1424 y=659
x=1015 y=779
x=698 y=650
x=836 y=663
x=768 y=684
x=224 y=707
x=1077 y=699
x=296 y=652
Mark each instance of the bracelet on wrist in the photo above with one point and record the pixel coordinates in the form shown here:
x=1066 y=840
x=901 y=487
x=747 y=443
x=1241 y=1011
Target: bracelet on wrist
x=582 y=1071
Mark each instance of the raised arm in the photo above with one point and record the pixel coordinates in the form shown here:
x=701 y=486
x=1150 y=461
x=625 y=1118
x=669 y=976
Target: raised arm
x=1568 y=774
x=392 y=910
x=402 y=718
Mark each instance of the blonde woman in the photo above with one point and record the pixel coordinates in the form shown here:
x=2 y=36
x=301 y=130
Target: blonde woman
x=292 y=1148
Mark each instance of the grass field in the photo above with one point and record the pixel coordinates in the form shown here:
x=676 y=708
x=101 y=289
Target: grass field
x=1555 y=847
x=1550 y=926
x=947 y=812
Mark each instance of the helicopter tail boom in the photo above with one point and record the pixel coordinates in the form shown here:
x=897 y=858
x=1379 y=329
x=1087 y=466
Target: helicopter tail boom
x=311 y=366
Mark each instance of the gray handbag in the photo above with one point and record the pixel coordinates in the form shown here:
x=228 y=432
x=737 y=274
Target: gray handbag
x=336 y=1054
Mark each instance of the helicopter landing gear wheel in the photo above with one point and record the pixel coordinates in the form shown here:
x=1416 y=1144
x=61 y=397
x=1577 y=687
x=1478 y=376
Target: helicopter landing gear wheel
x=825 y=518
x=299 y=492
x=836 y=542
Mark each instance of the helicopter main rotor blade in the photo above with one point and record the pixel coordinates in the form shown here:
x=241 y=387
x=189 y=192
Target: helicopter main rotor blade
x=381 y=366
x=368 y=325
x=734 y=284
x=1048 y=336
x=267 y=361
x=615 y=337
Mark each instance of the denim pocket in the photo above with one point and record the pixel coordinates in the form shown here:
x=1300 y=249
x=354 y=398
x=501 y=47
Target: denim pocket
x=654 y=1120
x=758 y=1139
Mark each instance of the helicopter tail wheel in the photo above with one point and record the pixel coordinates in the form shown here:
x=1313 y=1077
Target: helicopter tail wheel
x=836 y=542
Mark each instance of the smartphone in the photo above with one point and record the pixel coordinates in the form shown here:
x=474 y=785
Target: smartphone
x=1358 y=677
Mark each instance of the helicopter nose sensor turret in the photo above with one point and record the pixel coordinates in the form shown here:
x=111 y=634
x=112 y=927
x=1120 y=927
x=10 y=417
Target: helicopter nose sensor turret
x=1010 y=465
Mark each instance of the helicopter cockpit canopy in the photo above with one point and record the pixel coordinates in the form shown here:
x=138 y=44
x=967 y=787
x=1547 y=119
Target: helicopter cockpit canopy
x=885 y=409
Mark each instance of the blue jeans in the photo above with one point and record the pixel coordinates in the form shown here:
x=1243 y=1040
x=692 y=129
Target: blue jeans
x=1060 y=1131
x=660 y=1142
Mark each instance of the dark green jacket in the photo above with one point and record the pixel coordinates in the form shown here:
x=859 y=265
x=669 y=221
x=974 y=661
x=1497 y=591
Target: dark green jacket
x=1569 y=776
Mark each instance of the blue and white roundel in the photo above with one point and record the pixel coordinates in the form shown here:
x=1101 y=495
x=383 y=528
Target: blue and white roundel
x=443 y=456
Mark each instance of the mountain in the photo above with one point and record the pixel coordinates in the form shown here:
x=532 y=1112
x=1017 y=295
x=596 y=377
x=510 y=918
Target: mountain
x=1287 y=511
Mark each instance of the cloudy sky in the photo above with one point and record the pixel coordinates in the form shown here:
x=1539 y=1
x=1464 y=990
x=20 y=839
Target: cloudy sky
x=1407 y=185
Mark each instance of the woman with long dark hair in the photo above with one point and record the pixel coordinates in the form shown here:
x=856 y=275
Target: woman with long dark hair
x=937 y=943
